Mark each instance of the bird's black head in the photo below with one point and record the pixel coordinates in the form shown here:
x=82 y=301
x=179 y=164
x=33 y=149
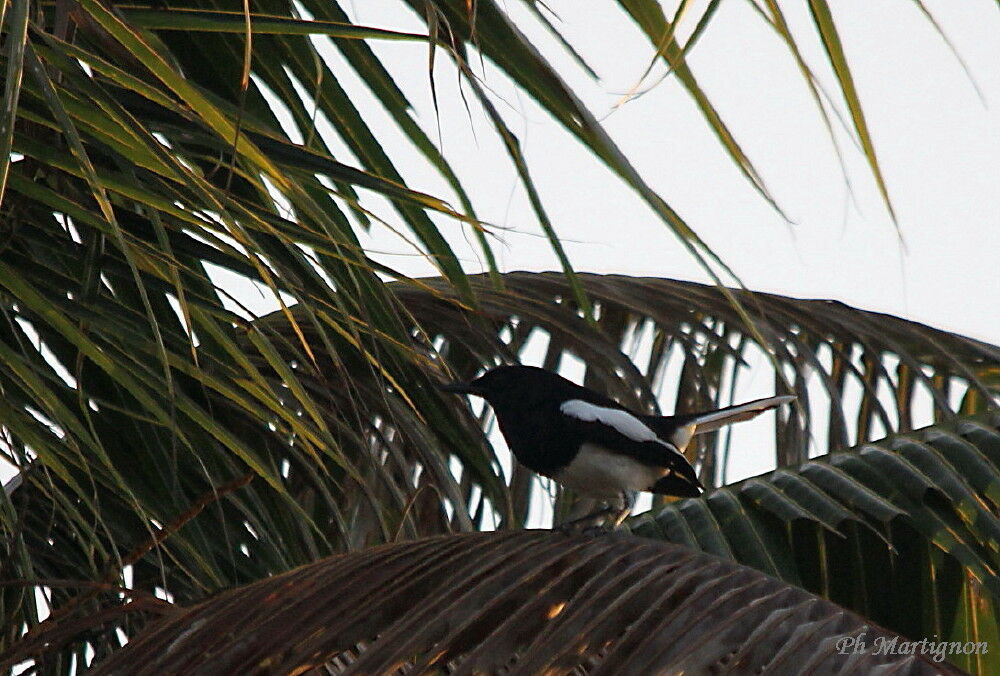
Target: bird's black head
x=514 y=384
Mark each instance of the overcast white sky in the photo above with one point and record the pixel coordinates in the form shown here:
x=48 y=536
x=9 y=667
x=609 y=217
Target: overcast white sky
x=938 y=143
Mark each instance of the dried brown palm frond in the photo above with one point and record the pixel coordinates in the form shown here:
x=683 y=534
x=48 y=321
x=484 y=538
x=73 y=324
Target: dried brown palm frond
x=516 y=603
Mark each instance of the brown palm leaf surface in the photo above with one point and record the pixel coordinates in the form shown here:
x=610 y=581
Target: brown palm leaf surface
x=517 y=603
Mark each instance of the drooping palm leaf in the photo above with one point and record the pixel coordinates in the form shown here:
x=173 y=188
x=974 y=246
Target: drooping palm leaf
x=846 y=364
x=129 y=400
x=516 y=603
x=826 y=349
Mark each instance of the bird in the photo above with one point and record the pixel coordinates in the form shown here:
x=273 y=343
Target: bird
x=590 y=443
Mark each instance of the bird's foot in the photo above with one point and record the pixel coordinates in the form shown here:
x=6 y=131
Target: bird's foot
x=574 y=528
x=591 y=528
x=584 y=523
x=594 y=531
x=607 y=520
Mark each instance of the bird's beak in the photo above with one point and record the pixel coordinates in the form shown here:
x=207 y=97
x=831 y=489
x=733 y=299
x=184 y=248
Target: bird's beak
x=461 y=388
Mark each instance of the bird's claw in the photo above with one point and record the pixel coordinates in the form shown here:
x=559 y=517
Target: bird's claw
x=575 y=528
x=592 y=529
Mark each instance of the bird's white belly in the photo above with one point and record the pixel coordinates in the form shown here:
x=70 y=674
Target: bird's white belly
x=599 y=473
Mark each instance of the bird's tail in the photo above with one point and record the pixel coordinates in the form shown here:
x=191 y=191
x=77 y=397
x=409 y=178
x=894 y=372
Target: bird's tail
x=713 y=420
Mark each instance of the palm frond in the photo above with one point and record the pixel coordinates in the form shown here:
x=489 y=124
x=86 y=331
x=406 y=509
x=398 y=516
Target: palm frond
x=331 y=442
x=863 y=374
x=517 y=603
x=904 y=531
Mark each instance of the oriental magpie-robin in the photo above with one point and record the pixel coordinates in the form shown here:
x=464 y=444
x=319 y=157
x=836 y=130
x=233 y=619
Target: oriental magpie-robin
x=592 y=444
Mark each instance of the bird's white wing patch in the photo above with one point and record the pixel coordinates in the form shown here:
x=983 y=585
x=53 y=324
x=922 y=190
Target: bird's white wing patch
x=623 y=421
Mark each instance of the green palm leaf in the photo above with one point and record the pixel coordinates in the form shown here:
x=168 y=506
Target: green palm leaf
x=903 y=530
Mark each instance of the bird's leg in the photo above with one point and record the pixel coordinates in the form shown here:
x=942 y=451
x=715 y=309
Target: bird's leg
x=628 y=501
x=588 y=522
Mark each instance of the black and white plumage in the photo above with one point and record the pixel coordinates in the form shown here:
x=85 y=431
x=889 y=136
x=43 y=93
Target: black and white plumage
x=590 y=443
